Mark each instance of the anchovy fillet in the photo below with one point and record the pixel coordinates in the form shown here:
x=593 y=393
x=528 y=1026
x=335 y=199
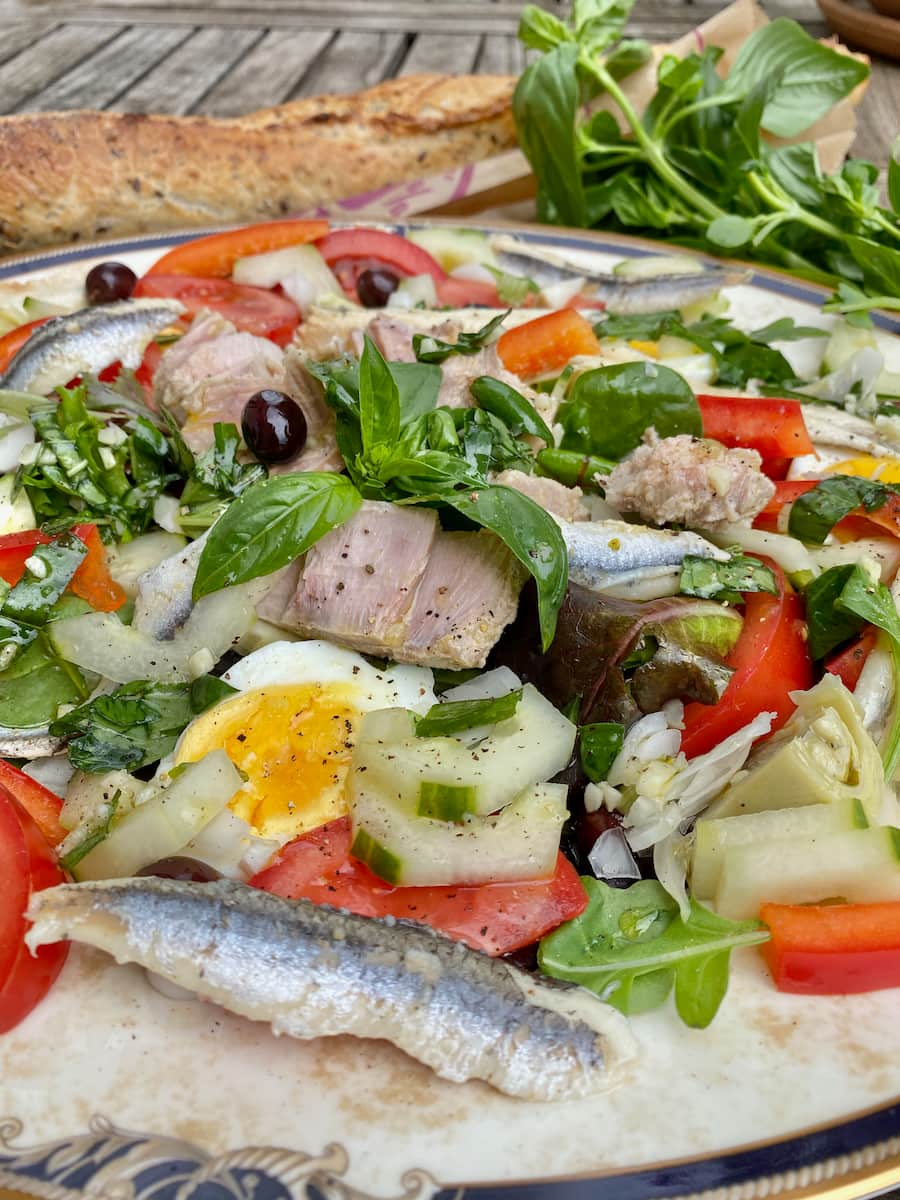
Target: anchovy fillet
x=607 y=555
x=87 y=341
x=620 y=295
x=313 y=971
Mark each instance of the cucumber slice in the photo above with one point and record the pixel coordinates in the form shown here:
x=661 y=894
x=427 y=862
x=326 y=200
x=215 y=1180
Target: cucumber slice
x=35 y=308
x=165 y=823
x=16 y=515
x=528 y=748
x=521 y=842
x=128 y=561
x=455 y=247
x=649 y=266
x=861 y=867
x=413 y=290
x=844 y=342
x=445 y=803
x=300 y=270
x=713 y=838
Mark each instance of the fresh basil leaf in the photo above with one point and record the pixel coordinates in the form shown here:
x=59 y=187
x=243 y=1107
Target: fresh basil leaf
x=598 y=748
x=511 y=407
x=207 y=690
x=784 y=329
x=609 y=409
x=379 y=399
x=627 y=56
x=218 y=474
x=642 y=327
x=418 y=386
x=880 y=265
x=893 y=182
x=456 y=716
x=36 y=685
x=430 y=349
x=38 y=590
x=533 y=537
x=827 y=625
x=270 y=524
x=545 y=106
x=599 y=23
x=631 y=945
x=796 y=169
x=814 y=514
x=541 y=30
x=809 y=76
x=513 y=289
x=725 y=581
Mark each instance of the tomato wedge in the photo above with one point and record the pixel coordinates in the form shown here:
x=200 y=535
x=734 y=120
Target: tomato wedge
x=213 y=257
x=833 y=949
x=42 y=805
x=27 y=865
x=494 y=917
x=547 y=343
x=848 y=663
x=774 y=428
x=255 y=310
x=770 y=660
x=92 y=581
x=344 y=247
x=11 y=343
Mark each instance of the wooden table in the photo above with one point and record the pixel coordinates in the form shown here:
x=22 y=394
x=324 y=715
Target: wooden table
x=224 y=57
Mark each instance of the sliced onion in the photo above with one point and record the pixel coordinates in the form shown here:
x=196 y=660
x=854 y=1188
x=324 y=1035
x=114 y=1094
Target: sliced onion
x=558 y=295
x=476 y=271
x=611 y=857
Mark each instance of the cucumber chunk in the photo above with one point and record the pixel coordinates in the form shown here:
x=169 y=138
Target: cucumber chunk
x=860 y=867
x=445 y=803
x=712 y=838
x=455 y=247
x=521 y=842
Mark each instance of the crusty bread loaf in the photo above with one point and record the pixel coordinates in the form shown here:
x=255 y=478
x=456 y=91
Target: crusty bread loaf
x=80 y=175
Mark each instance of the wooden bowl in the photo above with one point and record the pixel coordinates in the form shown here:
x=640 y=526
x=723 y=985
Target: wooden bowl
x=889 y=8
x=866 y=30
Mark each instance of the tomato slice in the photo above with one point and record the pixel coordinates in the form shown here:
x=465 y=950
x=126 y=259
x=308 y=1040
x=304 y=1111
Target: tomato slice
x=42 y=805
x=11 y=343
x=459 y=293
x=770 y=661
x=27 y=865
x=377 y=246
x=848 y=663
x=214 y=256
x=92 y=581
x=833 y=949
x=494 y=917
x=775 y=428
x=255 y=310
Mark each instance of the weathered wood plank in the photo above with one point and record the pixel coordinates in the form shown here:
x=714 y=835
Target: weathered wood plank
x=178 y=83
x=352 y=61
x=500 y=55
x=97 y=81
x=454 y=53
x=877 y=115
x=46 y=59
x=19 y=36
x=268 y=74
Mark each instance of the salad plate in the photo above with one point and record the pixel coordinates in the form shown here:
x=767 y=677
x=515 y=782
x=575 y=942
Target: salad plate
x=116 y=1088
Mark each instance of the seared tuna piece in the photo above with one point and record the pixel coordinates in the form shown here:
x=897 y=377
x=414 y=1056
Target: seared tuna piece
x=554 y=497
x=689 y=481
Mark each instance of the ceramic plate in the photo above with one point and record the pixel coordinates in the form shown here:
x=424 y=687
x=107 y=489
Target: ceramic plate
x=112 y=1089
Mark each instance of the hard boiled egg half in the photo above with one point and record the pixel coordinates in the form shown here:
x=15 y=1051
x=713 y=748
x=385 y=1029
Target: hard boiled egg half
x=291 y=726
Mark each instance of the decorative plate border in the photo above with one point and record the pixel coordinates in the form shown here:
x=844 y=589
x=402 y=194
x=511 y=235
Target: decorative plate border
x=850 y=1159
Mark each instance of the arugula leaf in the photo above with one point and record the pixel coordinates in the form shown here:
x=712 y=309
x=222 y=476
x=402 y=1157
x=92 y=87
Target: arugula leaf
x=862 y=597
x=598 y=746
x=533 y=537
x=814 y=514
x=725 y=581
x=608 y=409
x=430 y=349
x=456 y=716
x=631 y=946
x=137 y=724
x=828 y=625
x=518 y=414
x=270 y=524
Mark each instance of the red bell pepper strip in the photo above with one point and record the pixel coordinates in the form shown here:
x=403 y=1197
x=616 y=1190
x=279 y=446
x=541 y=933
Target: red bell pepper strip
x=848 y=663
x=11 y=343
x=213 y=257
x=42 y=805
x=92 y=581
x=833 y=949
x=494 y=917
x=27 y=865
x=774 y=428
x=770 y=660
x=546 y=343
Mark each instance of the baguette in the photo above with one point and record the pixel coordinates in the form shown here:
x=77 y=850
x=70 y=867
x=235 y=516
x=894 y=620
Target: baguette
x=81 y=175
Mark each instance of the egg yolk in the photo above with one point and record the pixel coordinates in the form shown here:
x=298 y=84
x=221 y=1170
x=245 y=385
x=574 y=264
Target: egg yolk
x=292 y=742
x=885 y=470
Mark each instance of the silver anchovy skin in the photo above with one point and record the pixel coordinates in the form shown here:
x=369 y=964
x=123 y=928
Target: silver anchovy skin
x=165 y=593
x=621 y=296
x=617 y=558
x=28 y=743
x=313 y=971
x=86 y=341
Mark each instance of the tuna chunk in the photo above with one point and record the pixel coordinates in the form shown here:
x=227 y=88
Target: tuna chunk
x=391 y=583
x=554 y=497
x=689 y=481
x=393 y=338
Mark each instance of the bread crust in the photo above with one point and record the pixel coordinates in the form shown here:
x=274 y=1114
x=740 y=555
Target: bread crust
x=79 y=175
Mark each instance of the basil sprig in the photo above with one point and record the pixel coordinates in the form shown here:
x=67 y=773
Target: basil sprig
x=433 y=350
x=725 y=581
x=815 y=513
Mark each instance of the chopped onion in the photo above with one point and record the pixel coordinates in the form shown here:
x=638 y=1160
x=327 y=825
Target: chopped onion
x=611 y=858
x=558 y=295
x=792 y=556
x=476 y=271
x=52 y=773
x=229 y=844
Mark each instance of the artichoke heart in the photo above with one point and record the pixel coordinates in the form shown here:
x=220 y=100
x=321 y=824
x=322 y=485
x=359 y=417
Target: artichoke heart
x=822 y=754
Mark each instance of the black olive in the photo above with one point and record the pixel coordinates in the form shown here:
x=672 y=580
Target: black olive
x=376 y=286
x=109 y=281
x=274 y=426
x=187 y=870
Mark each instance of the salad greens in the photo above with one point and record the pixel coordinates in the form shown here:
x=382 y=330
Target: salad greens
x=631 y=945
x=828 y=626
x=598 y=747
x=433 y=350
x=456 y=716
x=137 y=724
x=814 y=514
x=725 y=581
x=697 y=163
